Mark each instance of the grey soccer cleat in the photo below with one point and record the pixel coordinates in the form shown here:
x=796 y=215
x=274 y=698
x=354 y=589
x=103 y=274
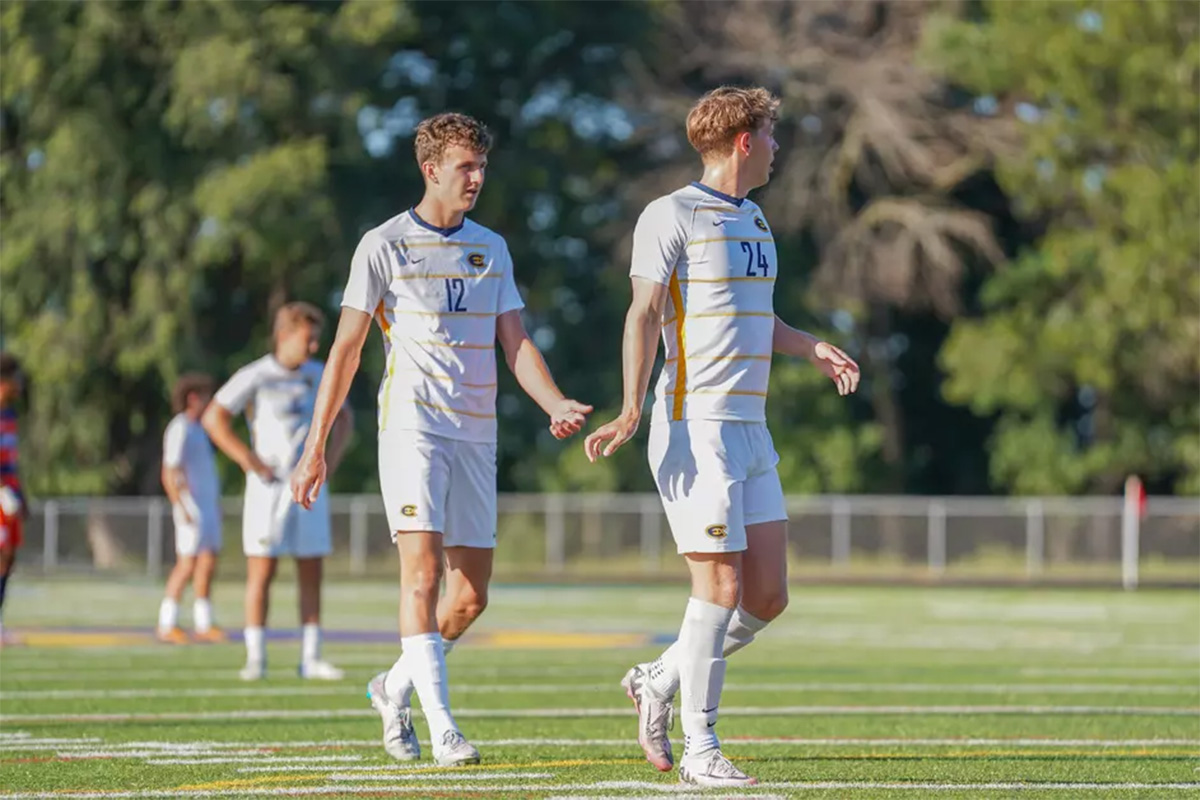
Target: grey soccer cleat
x=712 y=769
x=399 y=738
x=655 y=717
x=454 y=750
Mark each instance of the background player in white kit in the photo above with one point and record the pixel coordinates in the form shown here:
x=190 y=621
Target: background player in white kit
x=703 y=271
x=189 y=477
x=441 y=289
x=277 y=392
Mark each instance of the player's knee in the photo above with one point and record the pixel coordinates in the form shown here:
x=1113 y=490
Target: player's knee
x=768 y=606
x=470 y=603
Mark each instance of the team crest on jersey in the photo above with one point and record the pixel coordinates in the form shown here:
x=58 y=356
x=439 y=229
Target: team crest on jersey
x=761 y=224
x=476 y=260
x=717 y=531
x=409 y=510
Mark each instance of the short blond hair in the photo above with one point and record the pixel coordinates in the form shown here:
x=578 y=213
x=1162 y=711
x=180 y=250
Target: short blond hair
x=437 y=133
x=291 y=315
x=719 y=116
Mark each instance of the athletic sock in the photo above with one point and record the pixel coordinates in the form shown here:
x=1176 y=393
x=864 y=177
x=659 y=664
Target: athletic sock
x=664 y=670
x=399 y=684
x=701 y=672
x=168 y=615
x=426 y=659
x=255 y=647
x=310 y=646
x=202 y=615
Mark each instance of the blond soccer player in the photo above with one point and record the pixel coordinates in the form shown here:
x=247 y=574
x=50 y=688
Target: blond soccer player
x=703 y=271
x=441 y=290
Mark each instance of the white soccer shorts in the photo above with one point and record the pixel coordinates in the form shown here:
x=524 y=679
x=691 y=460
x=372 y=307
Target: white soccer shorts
x=273 y=526
x=441 y=485
x=202 y=533
x=715 y=478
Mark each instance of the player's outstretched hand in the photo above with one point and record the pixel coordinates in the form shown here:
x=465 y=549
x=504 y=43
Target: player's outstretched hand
x=615 y=434
x=568 y=418
x=837 y=366
x=308 y=477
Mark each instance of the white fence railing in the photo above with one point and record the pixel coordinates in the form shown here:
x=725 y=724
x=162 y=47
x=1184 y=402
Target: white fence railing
x=625 y=536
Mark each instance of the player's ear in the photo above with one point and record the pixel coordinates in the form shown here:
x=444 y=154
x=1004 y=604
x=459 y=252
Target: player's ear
x=742 y=142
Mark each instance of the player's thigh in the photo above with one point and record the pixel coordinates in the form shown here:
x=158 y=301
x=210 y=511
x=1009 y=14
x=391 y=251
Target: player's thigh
x=468 y=573
x=764 y=569
x=414 y=479
x=471 y=499
x=701 y=497
x=187 y=537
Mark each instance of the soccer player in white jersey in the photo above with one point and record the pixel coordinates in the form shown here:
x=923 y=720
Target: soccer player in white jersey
x=441 y=289
x=277 y=393
x=703 y=272
x=189 y=477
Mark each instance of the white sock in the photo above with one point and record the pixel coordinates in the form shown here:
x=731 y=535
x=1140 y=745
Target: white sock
x=168 y=615
x=701 y=672
x=664 y=670
x=202 y=615
x=398 y=684
x=426 y=659
x=255 y=649
x=310 y=643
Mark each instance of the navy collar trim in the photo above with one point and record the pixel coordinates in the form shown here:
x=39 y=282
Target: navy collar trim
x=737 y=201
x=412 y=212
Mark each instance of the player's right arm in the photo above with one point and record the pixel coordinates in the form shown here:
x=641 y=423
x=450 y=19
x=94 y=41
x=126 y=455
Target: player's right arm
x=218 y=423
x=370 y=274
x=658 y=241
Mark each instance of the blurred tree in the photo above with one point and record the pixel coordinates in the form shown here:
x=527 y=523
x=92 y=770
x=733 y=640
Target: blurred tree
x=1087 y=344
x=871 y=199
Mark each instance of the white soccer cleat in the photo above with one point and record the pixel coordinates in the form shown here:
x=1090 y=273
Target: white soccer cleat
x=320 y=671
x=655 y=717
x=712 y=769
x=454 y=750
x=399 y=738
x=253 y=671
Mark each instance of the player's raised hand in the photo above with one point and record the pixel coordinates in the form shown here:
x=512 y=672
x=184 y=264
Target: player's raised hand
x=568 y=417
x=608 y=437
x=308 y=477
x=837 y=366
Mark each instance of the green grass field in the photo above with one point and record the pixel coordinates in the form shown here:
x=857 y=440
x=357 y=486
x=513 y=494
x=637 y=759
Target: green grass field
x=854 y=693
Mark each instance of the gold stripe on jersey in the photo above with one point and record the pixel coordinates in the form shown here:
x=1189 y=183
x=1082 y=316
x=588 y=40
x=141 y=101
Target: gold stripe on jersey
x=459 y=345
x=381 y=316
x=709 y=314
x=732 y=239
x=724 y=209
x=450 y=379
x=681 y=344
x=439 y=276
x=725 y=280
x=435 y=406
x=744 y=392
x=421 y=313
x=724 y=358
x=386 y=327
x=443 y=244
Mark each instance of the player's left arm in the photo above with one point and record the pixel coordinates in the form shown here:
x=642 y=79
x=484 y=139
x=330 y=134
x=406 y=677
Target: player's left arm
x=339 y=436
x=525 y=360
x=830 y=360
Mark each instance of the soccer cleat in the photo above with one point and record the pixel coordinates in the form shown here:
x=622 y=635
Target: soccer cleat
x=253 y=671
x=454 y=750
x=655 y=717
x=712 y=769
x=399 y=738
x=172 y=636
x=213 y=635
x=320 y=671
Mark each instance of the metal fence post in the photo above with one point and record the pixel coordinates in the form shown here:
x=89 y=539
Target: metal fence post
x=1035 y=538
x=358 y=535
x=154 y=538
x=651 y=533
x=1130 y=535
x=840 y=526
x=556 y=533
x=937 y=537
x=50 y=536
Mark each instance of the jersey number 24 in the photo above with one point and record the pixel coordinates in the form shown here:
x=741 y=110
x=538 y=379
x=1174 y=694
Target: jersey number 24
x=755 y=258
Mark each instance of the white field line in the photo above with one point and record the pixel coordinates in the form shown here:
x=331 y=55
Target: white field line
x=334 y=762
x=459 y=776
x=561 y=688
x=1111 y=672
x=644 y=786
x=554 y=713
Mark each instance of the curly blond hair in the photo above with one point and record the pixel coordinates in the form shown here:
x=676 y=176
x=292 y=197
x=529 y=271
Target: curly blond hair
x=437 y=133
x=719 y=116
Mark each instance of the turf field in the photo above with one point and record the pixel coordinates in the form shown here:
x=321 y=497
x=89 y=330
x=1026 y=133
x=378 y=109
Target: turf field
x=854 y=693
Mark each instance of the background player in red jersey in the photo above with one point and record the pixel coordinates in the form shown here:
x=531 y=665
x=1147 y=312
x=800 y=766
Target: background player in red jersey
x=13 y=508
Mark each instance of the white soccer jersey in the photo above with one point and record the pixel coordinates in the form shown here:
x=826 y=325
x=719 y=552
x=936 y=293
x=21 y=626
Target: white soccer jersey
x=435 y=293
x=716 y=255
x=279 y=405
x=186 y=447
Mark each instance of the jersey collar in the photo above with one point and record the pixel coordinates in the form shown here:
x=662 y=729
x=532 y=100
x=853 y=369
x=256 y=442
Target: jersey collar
x=412 y=212
x=728 y=198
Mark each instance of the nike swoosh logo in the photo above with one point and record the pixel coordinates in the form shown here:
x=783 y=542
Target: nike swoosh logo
x=720 y=221
x=709 y=710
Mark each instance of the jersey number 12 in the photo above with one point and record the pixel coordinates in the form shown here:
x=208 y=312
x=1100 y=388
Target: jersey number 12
x=456 y=290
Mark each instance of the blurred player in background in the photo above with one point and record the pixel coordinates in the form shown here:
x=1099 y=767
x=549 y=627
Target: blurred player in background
x=189 y=477
x=13 y=508
x=277 y=393
x=703 y=273
x=442 y=291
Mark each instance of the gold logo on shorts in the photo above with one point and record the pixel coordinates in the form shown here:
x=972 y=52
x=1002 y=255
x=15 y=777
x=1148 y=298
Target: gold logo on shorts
x=760 y=224
x=409 y=510
x=476 y=260
x=717 y=531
